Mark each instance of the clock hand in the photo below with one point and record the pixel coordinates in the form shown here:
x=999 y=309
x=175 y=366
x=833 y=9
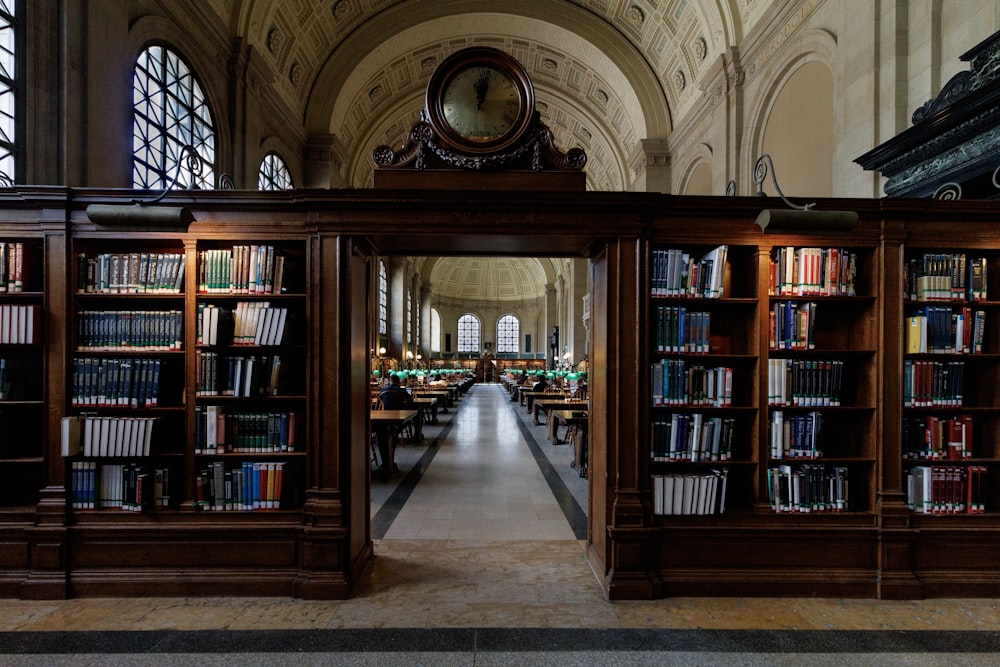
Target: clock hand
x=481 y=86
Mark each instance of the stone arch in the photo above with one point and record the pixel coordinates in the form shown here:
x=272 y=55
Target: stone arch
x=272 y=144
x=816 y=47
x=697 y=172
x=211 y=75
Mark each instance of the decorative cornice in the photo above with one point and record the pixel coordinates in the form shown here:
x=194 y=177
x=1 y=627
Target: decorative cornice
x=422 y=149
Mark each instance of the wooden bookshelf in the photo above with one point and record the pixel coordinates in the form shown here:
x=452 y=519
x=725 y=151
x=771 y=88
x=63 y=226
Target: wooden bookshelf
x=317 y=542
x=22 y=370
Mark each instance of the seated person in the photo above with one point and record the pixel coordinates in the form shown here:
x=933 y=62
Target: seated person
x=434 y=380
x=395 y=397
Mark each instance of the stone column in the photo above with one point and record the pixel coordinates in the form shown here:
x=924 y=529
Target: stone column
x=650 y=163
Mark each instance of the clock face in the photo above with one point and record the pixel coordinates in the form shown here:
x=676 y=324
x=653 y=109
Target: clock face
x=480 y=103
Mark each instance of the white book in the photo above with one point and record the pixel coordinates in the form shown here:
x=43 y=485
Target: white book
x=667 y=494
x=127 y=436
x=658 y=494
x=5 y=324
x=687 y=496
x=213 y=327
x=279 y=329
x=15 y=314
x=119 y=431
x=147 y=440
x=88 y=436
x=103 y=448
x=211 y=432
x=263 y=323
x=139 y=433
x=248 y=377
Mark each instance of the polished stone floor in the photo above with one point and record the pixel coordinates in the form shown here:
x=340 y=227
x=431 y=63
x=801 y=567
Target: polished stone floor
x=479 y=543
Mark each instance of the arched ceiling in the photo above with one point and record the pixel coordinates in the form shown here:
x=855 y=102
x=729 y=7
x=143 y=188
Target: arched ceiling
x=487 y=278
x=607 y=73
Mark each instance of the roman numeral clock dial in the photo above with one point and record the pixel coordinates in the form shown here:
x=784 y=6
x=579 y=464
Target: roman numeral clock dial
x=480 y=100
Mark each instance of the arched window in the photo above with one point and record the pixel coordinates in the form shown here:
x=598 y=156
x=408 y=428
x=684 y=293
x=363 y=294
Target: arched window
x=273 y=174
x=383 y=300
x=468 y=333
x=169 y=112
x=508 y=334
x=8 y=97
x=435 y=330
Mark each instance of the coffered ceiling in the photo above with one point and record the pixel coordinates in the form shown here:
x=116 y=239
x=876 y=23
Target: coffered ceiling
x=607 y=73
x=510 y=279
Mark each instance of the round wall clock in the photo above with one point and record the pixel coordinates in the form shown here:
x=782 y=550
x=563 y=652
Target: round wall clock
x=480 y=100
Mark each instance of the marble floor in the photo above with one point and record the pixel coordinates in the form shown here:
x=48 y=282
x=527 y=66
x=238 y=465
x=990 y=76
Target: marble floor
x=479 y=543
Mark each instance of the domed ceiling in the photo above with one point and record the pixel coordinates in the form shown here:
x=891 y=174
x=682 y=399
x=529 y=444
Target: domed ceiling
x=607 y=73
x=487 y=278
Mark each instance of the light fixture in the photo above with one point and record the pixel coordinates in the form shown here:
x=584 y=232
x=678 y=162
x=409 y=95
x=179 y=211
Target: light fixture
x=381 y=352
x=798 y=219
x=143 y=214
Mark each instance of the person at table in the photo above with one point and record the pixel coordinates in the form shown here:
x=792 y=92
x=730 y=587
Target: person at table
x=394 y=396
x=523 y=381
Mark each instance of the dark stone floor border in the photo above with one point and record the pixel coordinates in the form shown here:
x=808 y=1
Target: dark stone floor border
x=497 y=640
x=390 y=509
x=575 y=515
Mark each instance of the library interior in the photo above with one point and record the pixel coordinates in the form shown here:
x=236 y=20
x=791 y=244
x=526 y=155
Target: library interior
x=547 y=332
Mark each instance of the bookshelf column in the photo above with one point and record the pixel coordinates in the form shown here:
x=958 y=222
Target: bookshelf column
x=896 y=537
x=47 y=579
x=335 y=544
x=628 y=525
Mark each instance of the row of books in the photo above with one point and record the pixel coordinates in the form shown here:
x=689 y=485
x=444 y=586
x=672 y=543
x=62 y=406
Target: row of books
x=795 y=435
x=791 y=325
x=694 y=493
x=242 y=269
x=250 y=323
x=946 y=489
x=147 y=330
x=933 y=438
x=18 y=380
x=682 y=331
x=122 y=382
x=676 y=273
x=678 y=382
x=248 y=486
x=932 y=384
x=12 y=263
x=812 y=271
x=806 y=383
x=239 y=376
x=808 y=487
x=130 y=273
x=96 y=436
x=126 y=486
x=945 y=277
x=692 y=437
x=20 y=324
x=219 y=432
x=943 y=330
